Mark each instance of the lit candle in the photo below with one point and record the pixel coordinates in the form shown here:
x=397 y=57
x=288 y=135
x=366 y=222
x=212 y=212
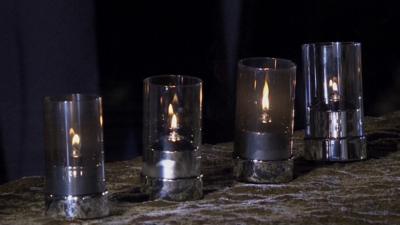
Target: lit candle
x=264 y=120
x=334 y=112
x=75 y=181
x=172 y=129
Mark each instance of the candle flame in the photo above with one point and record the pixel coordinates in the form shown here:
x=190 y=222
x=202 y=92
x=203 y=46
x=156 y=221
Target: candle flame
x=174 y=122
x=170 y=110
x=76 y=143
x=333 y=85
x=76 y=140
x=265 y=97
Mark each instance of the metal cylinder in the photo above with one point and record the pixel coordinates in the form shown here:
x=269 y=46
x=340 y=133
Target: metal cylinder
x=172 y=137
x=75 y=181
x=264 y=120
x=334 y=102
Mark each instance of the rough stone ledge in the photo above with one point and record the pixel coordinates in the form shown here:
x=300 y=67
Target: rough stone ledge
x=365 y=192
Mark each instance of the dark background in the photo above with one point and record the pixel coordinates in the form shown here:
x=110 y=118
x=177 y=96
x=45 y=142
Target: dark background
x=108 y=47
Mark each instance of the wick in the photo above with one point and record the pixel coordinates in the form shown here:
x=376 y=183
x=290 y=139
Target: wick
x=265 y=118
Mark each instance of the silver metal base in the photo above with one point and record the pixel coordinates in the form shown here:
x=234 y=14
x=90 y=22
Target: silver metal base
x=173 y=189
x=77 y=207
x=263 y=172
x=340 y=150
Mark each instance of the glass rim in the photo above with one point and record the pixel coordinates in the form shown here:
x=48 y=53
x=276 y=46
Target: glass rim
x=331 y=43
x=149 y=80
x=291 y=64
x=77 y=97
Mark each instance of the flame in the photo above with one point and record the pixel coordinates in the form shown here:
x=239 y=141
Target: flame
x=170 y=110
x=76 y=143
x=173 y=136
x=265 y=97
x=174 y=122
x=174 y=119
x=76 y=140
x=201 y=96
x=334 y=85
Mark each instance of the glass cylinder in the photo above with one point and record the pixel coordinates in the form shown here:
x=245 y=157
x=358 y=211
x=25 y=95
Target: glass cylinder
x=172 y=137
x=74 y=179
x=264 y=120
x=334 y=102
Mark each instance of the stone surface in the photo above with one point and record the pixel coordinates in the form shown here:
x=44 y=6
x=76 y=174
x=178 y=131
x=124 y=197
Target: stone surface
x=263 y=172
x=365 y=192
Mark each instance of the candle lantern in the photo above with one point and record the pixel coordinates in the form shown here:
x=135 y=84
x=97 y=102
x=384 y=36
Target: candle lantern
x=172 y=137
x=264 y=120
x=74 y=179
x=334 y=106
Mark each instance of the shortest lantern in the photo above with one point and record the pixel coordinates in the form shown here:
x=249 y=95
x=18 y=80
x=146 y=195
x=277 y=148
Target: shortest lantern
x=75 y=181
x=172 y=137
x=264 y=120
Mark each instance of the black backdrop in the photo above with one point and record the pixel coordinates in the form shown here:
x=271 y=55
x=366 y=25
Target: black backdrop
x=107 y=47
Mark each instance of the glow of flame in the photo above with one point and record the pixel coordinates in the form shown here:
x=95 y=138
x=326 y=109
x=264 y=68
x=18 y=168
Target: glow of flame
x=265 y=97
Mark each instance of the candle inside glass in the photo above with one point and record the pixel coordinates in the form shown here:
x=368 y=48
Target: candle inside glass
x=334 y=107
x=264 y=112
x=75 y=179
x=74 y=145
x=172 y=137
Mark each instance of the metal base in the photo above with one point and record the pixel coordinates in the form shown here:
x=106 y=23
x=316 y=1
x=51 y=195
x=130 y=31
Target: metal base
x=173 y=189
x=340 y=150
x=77 y=207
x=263 y=172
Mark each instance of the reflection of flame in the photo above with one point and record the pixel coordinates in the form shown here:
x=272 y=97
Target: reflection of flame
x=265 y=97
x=175 y=99
x=101 y=120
